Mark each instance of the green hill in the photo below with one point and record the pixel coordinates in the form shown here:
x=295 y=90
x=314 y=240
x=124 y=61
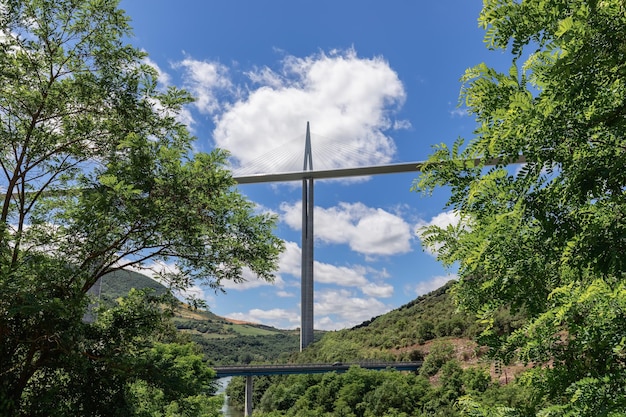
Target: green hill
x=396 y=334
x=119 y=283
x=429 y=328
x=402 y=333
x=224 y=341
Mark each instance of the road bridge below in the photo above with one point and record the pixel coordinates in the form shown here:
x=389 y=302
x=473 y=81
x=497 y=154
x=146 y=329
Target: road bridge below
x=249 y=371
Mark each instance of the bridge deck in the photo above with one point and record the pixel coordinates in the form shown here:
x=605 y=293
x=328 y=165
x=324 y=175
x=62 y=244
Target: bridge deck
x=358 y=171
x=255 y=370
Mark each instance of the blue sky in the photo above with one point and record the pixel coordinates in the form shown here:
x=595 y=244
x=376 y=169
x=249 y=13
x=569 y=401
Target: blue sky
x=380 y=79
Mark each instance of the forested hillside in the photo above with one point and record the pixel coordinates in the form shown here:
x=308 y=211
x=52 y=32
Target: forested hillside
x=119 y=283
x=430 y=328
x=223 y=341
x=393 y=335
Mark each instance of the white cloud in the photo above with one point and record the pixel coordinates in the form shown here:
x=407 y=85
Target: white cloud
x=366 y=230
x=378 y=290
x=340 y=275
x=348 y=100
x=205 y=80
x=401 y=125
x=265 y=77
x=346 y=276
x=441 y=220
x=336 y=309
x=183 y=115
x=290 y=263
x=193 y=292
x=348 y=309
x=432 y=284
x=251 y=280
x=459 y=113
x=276 y=317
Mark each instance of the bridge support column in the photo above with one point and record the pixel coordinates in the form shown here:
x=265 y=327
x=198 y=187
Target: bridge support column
x=248 y=404
x=306 y=302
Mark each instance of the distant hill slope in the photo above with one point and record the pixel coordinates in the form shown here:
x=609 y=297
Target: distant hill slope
x=397 y=332
x=224 y=341
x=429 y=328
x=119 y=283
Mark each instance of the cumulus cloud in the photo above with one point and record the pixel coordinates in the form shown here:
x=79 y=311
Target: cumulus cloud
x=432 y=284
x=346 y=276
x=251 y=280
x=378 y=290
x=183 y=115
x=349 y=101
x=205 y=80
x=347 y=309
x=370 y=231
x=276 y=317
x=356 y=300
x=290 y=263
x=285 y=294
x=441 y=220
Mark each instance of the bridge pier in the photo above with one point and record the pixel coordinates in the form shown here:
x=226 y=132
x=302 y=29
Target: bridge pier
x=248 y=404
x=249 y=371
x=306 y=304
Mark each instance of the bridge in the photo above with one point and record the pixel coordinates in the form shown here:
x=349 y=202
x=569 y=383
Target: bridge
x=287 y=172
x=250 y=371
x=307 y=175
x=311 y=368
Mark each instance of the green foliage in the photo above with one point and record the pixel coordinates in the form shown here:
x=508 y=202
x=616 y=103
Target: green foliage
x=545 y=240
x=149 y=401
x=246 y=349
x=364 y=393
x=222 y=341
x=119 y=283
x=99 y=175
x=428 y=317
x=118 y=366
x=374 y=393
x=440 y=353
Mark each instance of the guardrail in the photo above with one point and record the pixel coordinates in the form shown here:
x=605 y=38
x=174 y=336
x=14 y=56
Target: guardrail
x=310 y=368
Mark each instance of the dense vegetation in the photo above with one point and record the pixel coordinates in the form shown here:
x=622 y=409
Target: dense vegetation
x=98 y=174
x=224 y=342
x=119 y=283
x=546 y=239
x=429 y=328
x=363 y=393
x=241 y=349
x=221 y=341
x=395 y=334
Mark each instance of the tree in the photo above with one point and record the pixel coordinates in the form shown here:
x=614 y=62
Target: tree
x=97 y=175
x=546 y=239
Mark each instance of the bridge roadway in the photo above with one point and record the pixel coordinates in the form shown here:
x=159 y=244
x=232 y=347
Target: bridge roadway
x=310 y=368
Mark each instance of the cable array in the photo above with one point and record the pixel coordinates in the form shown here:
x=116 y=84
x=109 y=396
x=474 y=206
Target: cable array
x=328 y=153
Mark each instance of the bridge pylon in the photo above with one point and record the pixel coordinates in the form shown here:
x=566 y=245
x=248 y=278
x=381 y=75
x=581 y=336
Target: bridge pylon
x=306 y=302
